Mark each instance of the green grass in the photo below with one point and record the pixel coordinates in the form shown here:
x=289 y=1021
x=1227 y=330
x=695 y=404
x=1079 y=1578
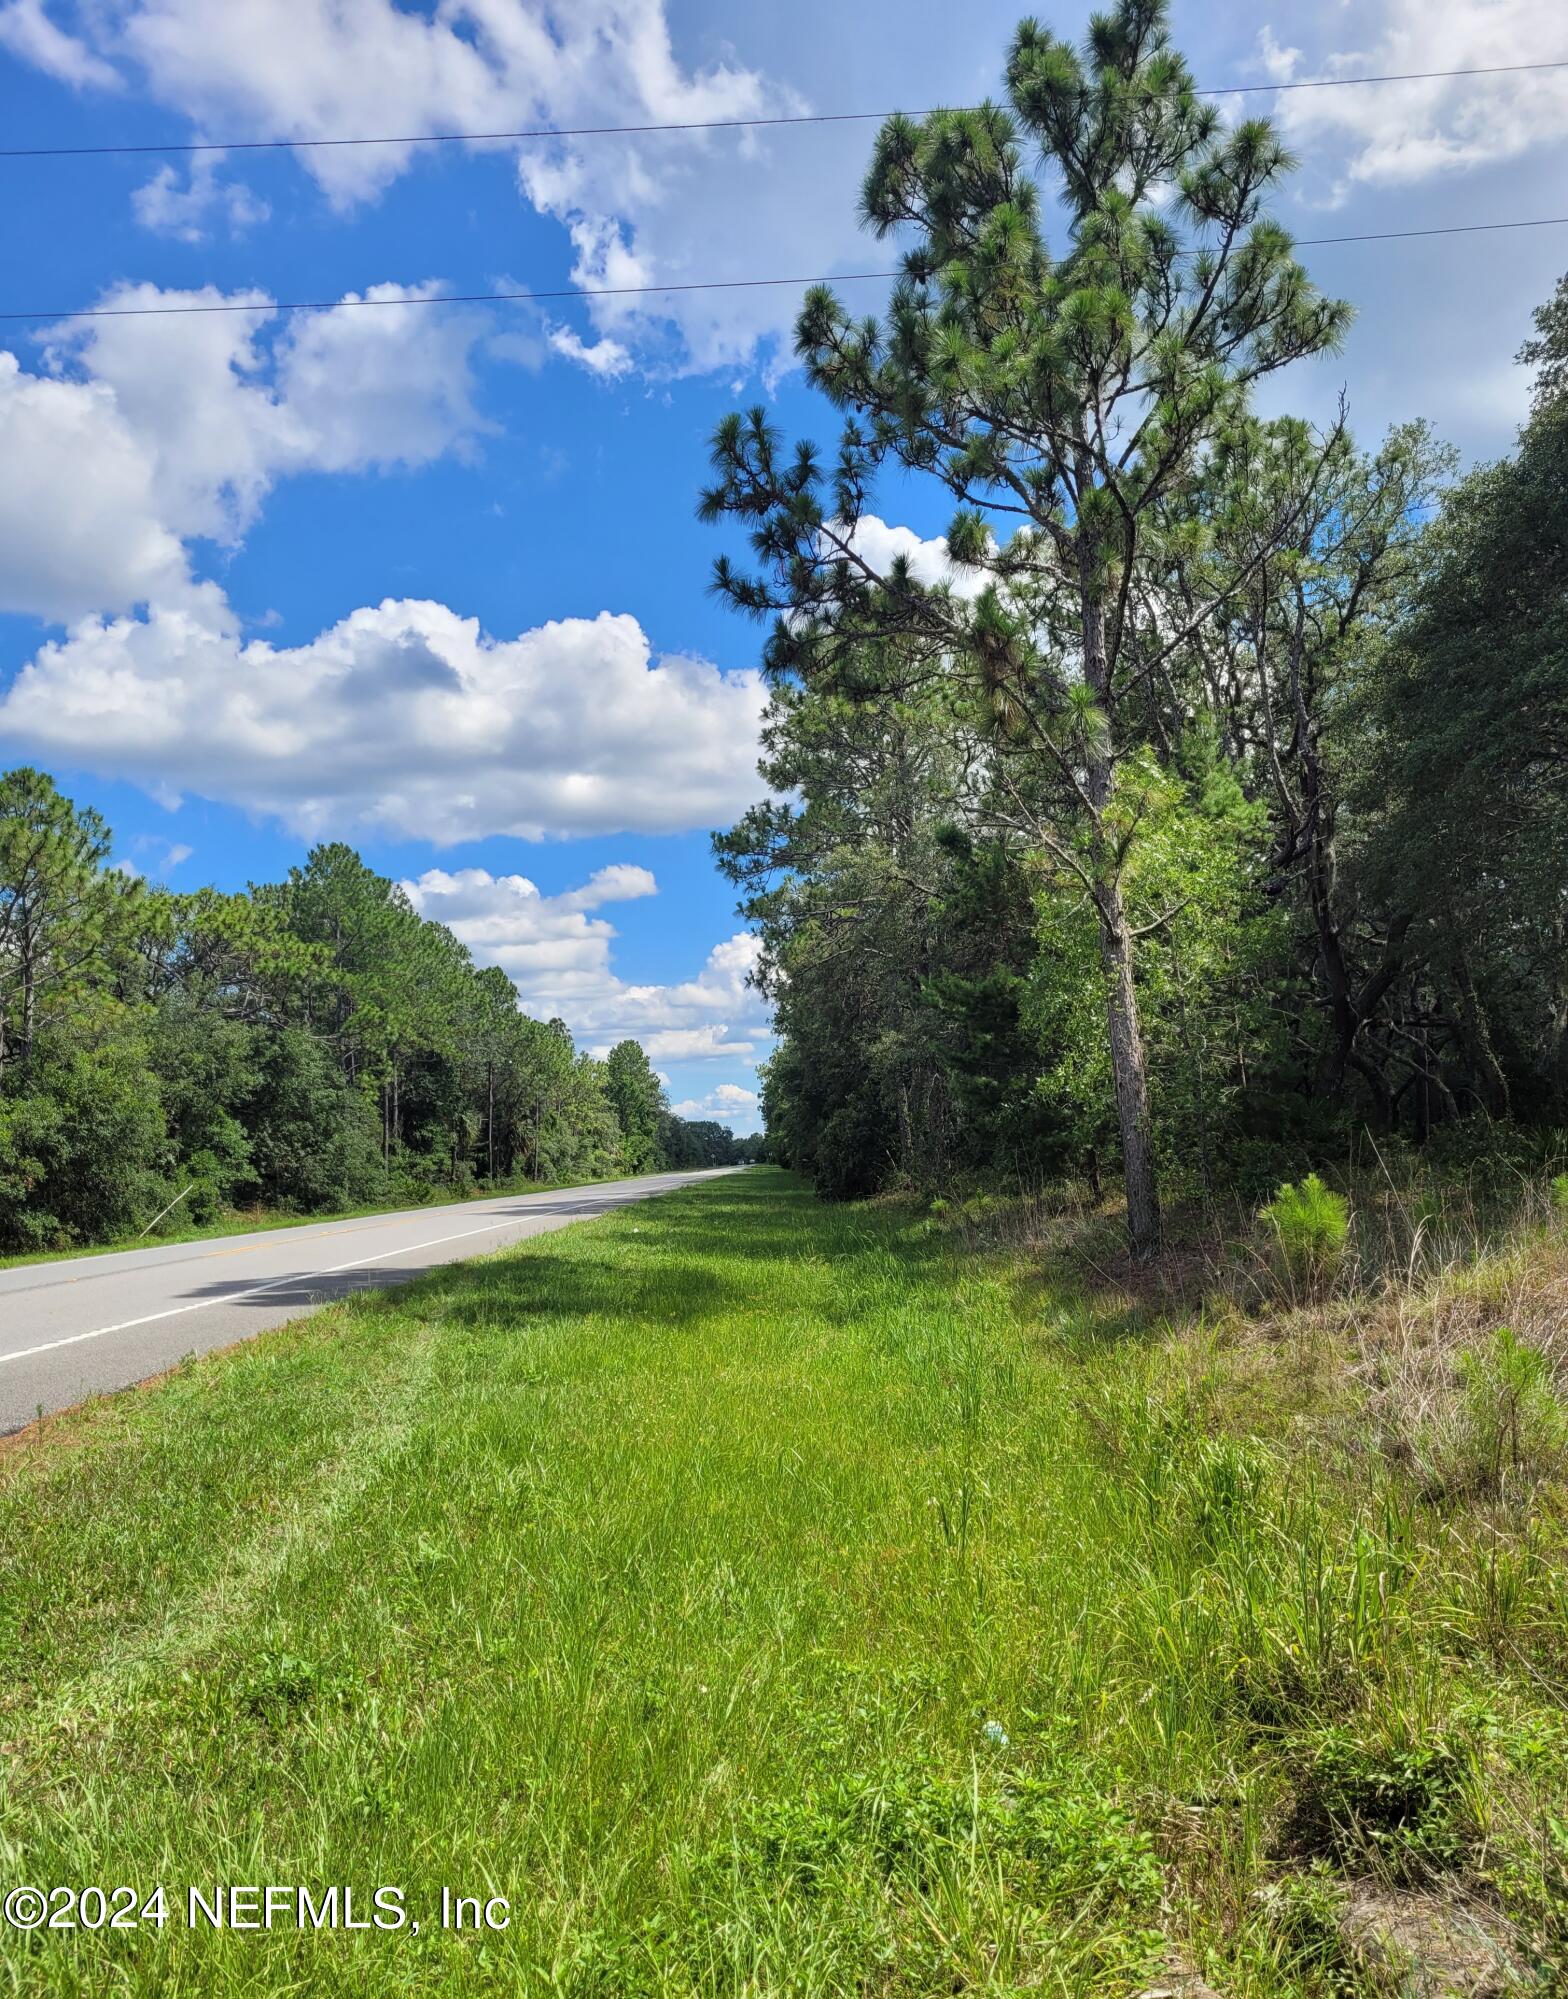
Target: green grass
x=250 y=1221
x=766 y=1599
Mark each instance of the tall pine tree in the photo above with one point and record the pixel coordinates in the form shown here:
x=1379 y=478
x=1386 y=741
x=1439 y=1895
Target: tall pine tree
x=1065 y=400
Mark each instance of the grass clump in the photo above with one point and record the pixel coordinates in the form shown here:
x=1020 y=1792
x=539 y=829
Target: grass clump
x=935 y=1878
x=1492 y=1425
x=1514 y=1424
x=1304 y=1915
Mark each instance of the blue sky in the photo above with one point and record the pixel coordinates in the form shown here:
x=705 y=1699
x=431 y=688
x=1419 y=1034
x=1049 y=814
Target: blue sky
x=429 y=578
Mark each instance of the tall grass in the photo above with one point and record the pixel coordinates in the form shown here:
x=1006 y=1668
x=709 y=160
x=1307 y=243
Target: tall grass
x=765 y=1599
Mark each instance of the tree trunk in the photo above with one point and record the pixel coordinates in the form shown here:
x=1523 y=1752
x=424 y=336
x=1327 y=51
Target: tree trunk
x=29 y=969
x=1131 y=1074
x=1124 y=1030
x=1492 y=1082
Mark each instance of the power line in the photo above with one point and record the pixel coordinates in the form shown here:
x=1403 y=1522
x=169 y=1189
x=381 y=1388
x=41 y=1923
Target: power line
x=707 y=124
x=447 y=298
x=692 y=285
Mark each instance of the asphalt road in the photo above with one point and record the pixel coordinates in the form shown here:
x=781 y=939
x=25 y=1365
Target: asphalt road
x=95 y=1323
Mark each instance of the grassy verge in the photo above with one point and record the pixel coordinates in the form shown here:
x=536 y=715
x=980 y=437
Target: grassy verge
x=768 y=1599
x=248 y=1221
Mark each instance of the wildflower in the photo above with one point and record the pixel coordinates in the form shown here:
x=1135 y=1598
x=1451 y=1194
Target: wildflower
x=995 y=1735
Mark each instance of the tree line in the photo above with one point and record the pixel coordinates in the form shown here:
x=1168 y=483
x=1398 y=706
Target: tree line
x=306 y=1045
x=1206 y=797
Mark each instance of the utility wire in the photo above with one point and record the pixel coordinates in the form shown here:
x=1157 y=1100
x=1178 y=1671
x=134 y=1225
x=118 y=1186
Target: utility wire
x=448 y=298
x=707 y=124
x=694 y=285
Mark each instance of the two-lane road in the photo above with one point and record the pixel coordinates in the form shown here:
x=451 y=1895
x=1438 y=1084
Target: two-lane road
x=95 y=1323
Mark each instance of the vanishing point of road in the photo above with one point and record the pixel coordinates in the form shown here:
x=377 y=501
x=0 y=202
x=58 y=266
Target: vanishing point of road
x=91 y=1324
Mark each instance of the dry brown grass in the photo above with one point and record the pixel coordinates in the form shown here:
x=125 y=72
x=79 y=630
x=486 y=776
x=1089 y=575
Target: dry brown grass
x=1411 y=1345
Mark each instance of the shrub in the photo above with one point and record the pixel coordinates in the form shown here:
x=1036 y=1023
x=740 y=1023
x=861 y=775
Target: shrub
x=1560 y=1194
x=83 y=1147
x=1311 y=1224
x=1396 y=1800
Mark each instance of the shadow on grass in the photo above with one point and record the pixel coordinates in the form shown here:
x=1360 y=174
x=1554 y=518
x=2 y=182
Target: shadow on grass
x=690 y=1256
x=695 y=1235
x=310 y=1287
x=1084 y=1289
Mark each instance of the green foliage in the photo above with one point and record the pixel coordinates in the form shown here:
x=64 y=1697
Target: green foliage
x=1514 y=1425
x=65 y=919
x=637 y=1099
x=314 y=1044
x=206 y=1072
x=871 y=1853
x=314 y=1136
x=1206 y=700
x=1072 y=399
x=1467 y=786
x=1311 y=1225
x=1305 y=1913
x=977 y=985
x=1393 y=1801
x=703 y=1142
x=890 y=951
x=1201 y=975
x=84 y=1151
x=1560 y=1193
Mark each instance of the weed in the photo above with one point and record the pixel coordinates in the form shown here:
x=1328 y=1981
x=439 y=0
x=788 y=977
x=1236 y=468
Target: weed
x=1392 y=1803
x=281 y=1683
x=1305 y=1913
x=1509 y=1429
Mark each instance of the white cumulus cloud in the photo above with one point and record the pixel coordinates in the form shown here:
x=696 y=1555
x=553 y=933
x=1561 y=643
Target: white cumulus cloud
x=1399 y=134
x=189 y=209
x=690 y=1044
x=126 y=444
x=648 y=209
x=27 y=31
x=404 y=717
x=81 y=528
x=559 y=956
x=220 y=415
x=730 y=1103
x=606 y=358
x=548 y=945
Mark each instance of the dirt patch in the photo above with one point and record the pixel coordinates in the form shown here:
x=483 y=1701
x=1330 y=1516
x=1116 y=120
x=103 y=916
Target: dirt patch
x=1428 y=1946
x=1178 y=1983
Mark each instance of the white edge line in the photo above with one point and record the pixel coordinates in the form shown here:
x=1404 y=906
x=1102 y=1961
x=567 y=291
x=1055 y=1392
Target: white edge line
x=252 y=1291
